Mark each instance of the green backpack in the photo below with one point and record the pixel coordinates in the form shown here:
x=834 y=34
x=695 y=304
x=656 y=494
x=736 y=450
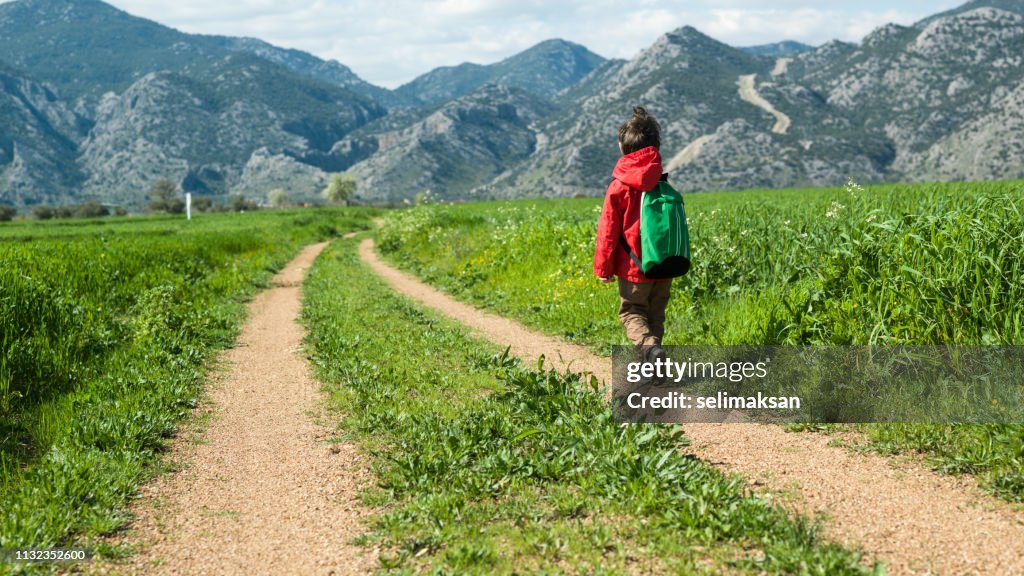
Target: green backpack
x=664 y=235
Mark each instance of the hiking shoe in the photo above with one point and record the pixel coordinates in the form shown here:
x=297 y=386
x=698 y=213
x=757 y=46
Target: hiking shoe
x=655 y=353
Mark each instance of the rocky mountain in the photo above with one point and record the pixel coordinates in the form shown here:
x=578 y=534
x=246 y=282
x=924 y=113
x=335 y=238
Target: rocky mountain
x=98 y=104
x=935 y=102
x=779 y=49
x=447 y=149
x=542 y=70
x=88 y=48
x=226 y=114
x=913 y=88
x=39 y=136
x=687 y=80
x=150 y=102
x=330 y=71
x=1016 y=6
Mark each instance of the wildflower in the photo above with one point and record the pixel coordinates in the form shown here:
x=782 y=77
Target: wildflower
x=834 y=209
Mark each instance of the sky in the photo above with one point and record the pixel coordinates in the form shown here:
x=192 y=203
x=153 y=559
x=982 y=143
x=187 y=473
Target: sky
x=390 y=42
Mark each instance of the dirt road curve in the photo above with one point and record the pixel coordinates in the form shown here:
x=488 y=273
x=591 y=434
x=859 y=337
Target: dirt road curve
x=690 y=153
x=917 y=521
x=262 y=493
x=748 y=93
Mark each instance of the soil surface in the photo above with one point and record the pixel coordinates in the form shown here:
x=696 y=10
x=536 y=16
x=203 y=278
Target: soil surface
x=896 y=511
x=261 y=490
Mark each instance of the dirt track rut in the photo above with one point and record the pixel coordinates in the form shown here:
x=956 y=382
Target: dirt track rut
x=262 y=492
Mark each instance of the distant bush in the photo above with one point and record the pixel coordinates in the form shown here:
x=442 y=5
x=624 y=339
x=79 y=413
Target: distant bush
x=7 y=212
x=239 y=203
x=91 y=209
x=43 y=212
x=165 y=196
x=278 y=198
x=202 y=203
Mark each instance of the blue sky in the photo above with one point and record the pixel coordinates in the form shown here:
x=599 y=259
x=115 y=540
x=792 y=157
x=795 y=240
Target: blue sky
x=389 y=42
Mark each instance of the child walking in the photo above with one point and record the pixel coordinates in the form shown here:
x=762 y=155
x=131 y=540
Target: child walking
x=643 y=300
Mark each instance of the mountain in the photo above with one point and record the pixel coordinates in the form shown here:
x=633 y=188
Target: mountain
x=87 y=48
x=202 y=125
x=151 y=102
x=686 y=79
x=779 y=49
x=913 y=88
x=38 y=140
x=330 y=71
x=98 y=104
x=1016 y=6
x=448 y=149
x=542 y=70
x=907 y=103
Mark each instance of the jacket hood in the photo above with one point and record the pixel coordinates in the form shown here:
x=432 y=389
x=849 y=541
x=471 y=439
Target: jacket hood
x=640 y=170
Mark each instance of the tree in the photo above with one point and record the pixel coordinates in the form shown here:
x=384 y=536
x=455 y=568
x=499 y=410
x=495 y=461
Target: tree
x=278 y=198
x=164 y=196
x=43 y=212
x=238 y=203
x=7 y=212
x=340 y=188
x=202 y=203
x=91 y=209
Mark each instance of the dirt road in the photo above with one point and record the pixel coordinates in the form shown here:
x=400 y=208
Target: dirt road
x=262 y=492
x=748 y=92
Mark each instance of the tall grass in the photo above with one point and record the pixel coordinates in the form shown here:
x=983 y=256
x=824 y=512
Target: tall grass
x=106 y=330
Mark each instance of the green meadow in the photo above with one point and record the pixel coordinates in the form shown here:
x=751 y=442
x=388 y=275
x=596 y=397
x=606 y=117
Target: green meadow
x=895 y=264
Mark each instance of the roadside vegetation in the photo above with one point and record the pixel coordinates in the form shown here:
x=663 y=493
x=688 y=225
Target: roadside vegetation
x=484 y=465
x=108 y=328
x=897 y=264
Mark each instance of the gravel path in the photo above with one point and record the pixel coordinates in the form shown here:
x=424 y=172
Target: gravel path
x=748 y=93
x=690 y=153
x=781 y=66
x=915 y=520
x=261 y=492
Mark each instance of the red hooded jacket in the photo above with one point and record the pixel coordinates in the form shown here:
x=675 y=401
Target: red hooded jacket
x=634 y=173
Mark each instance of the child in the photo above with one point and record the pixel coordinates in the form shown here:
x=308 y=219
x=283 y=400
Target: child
x=642 y=310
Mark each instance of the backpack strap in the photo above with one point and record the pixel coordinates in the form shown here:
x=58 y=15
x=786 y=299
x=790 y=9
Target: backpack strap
x=632 y=255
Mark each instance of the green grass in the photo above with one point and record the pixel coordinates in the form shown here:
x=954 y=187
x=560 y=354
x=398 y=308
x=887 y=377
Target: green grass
x=898 y=264
x=486 y=466
x=107 y=328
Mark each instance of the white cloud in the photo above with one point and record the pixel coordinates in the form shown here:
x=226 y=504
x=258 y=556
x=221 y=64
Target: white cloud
x=391 y=42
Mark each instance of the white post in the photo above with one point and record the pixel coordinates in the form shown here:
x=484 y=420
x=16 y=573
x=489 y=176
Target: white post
x=188 y=204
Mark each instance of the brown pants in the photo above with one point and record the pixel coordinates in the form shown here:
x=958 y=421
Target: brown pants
x=642 y=310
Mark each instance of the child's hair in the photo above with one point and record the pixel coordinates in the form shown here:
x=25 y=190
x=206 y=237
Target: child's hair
x=639 y=132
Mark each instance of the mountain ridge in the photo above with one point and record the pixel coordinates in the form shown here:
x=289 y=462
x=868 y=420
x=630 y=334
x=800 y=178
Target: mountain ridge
x=98 y=104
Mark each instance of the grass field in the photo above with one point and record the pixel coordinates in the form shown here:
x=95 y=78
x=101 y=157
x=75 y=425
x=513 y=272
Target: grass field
x=486 y=466
x=482 y=464
x=907 y=264
x=108 y=327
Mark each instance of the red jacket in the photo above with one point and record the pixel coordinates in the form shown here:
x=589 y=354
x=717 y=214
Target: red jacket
x=634 y=173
